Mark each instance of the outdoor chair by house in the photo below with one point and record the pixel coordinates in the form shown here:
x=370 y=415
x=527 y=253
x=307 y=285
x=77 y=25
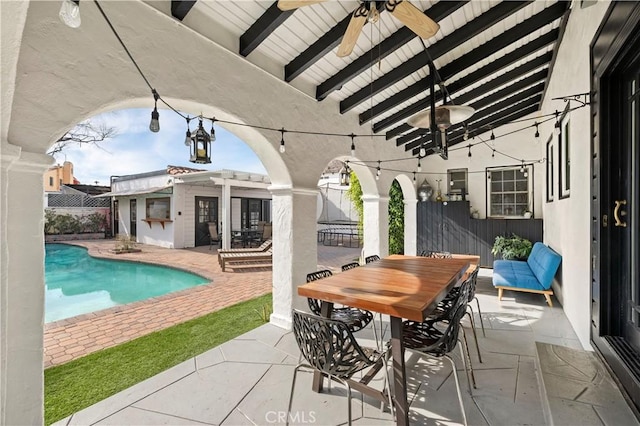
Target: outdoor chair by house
x=373 y=258
x=436 y=254
x=245 y=259
x=260 y=249
x=328 y=346
x=356 y=319
x=214 y=236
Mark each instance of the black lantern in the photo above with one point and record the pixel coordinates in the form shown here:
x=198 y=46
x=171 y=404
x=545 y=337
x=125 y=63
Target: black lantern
x=345 y=175
x=200 y=146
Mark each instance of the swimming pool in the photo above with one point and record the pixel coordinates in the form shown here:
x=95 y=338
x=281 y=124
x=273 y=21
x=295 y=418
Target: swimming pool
x=77 y=283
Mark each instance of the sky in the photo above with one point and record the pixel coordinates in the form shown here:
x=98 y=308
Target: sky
x=135 y=149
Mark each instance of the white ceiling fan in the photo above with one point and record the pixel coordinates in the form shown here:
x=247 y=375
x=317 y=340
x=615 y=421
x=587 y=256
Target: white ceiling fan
x=404 y=11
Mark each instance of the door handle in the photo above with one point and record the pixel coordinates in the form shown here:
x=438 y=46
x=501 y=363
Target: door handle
x=616 y=211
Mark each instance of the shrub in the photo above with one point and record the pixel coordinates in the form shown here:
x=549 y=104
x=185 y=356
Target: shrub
x=95 y=222
x=513 y=247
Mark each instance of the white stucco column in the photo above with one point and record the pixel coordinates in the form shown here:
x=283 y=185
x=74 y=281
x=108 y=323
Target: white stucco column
x=295 y=248
x=410 y=227
x=21 y=285
x=376 y=225
x=226 y=215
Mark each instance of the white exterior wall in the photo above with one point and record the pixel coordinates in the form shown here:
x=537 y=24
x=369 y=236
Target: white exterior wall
x=567 y=222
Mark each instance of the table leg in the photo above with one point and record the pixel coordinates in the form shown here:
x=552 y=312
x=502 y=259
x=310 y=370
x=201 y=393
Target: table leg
x=399 y=373
x=318 y=378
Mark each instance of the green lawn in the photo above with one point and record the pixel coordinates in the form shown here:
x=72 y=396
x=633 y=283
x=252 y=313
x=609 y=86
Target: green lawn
x=80 y=383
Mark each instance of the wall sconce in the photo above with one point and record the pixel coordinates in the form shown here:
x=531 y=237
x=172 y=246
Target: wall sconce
x=200 y=145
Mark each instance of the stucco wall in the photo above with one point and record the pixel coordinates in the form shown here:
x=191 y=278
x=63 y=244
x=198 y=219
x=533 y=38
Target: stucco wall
x=567 y=221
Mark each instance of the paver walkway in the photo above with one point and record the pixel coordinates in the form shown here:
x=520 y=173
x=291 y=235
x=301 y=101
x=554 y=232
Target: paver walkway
x=75 y=337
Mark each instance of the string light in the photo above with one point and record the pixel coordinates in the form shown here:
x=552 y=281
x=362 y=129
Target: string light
x=187 y=139
x=469 y=155
x=556 y=128
x=419 y=165
x=537 y=135
x=493 y=153
x=466 y=133
x=423 y=151
x=282 y=147
x=213 y=130
x=154 y=125
x=378 y=171
x=414 y=176
x=353 y=145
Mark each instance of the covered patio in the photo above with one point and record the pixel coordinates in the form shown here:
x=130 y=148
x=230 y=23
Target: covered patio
x=533 y=372
x=272 y=77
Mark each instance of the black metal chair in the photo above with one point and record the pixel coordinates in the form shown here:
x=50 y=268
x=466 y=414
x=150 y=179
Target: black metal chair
x=373 y=258
x=356 y=319
x=428 y=339
x=350 y=266
x=328 y=346
x=436 y=254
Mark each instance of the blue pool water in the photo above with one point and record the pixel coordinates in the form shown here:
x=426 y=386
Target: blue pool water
x=77 y=283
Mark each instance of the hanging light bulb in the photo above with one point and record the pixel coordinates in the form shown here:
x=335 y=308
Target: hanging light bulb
x=70 y=13
x=492 y=137
x=154 y=125
x=414 y=176
x=353 y=145
x=419 y=165
x=423 y=151
x=282 y=147
x=556 y=127
x=466 y=134
x=378 y=171
x=537 y=135
x=522 y=167
x=187 y=138
x=213 y=130
x=493 y=154
x=469 y=154
x=373 y=15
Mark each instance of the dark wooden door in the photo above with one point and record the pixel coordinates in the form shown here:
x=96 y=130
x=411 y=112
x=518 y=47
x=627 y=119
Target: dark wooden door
x=133 y=217
x=626 y=221
x=206 y=211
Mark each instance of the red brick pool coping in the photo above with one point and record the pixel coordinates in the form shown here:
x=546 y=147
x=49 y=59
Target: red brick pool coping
x=72 y=338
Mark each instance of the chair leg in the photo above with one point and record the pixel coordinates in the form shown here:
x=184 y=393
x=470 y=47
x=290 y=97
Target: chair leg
x=475 y=336
x=480 y=315
x=464 y=362
x=455 y=375
x=500 y=291
x=468 y=357
x=387 y=383
x=346 y=384
x=293 y=385
x=548 y=297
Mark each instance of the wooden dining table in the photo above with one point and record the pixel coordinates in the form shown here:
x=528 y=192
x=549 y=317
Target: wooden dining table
x=399 y=286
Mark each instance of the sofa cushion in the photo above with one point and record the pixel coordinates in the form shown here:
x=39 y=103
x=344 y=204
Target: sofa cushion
x=514 y=273
x=544 y=263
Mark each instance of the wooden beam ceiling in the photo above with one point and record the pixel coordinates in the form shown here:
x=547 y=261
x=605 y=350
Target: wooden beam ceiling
x=262 y=28
x=180 y=8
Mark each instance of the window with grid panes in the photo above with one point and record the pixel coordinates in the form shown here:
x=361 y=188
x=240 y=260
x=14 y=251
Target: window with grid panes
x=509 y=192
x=457 y=181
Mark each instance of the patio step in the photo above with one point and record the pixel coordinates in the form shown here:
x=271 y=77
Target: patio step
x=576 y=388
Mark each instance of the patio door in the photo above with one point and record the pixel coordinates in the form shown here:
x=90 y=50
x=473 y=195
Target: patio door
x=206 y=211
x=616 y=194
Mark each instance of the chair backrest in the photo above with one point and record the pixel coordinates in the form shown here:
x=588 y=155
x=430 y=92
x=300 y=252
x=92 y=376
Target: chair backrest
x=544 y=263
x=421 y=336
x=267 y=231
x=373 y=258
x=350 y=266
x=328 y=345
x=473 y=279
x=213 y=230
x=436 y=254
x=266 y=245
x=314 y=304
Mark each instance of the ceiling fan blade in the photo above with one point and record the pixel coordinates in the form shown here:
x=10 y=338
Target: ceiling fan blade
x=413 y=18
x=350 y=36
x=294 y=4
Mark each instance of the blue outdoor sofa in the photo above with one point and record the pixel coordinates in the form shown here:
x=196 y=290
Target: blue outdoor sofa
x=533 y=276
